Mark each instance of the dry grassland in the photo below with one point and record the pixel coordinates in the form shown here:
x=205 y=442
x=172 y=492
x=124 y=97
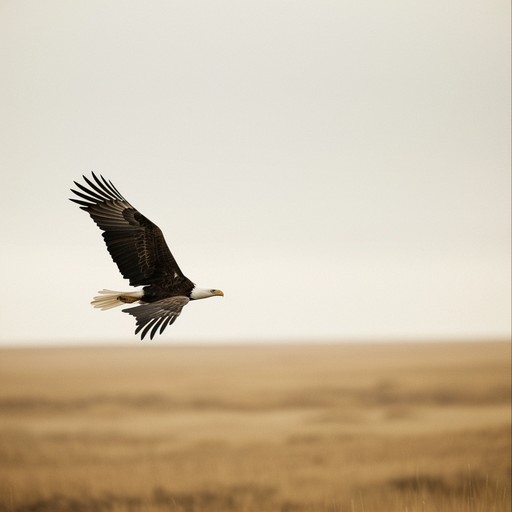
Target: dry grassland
x=355 y=428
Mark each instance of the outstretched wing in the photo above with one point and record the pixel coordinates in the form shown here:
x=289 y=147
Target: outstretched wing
x=157 y=315
x=136 y=245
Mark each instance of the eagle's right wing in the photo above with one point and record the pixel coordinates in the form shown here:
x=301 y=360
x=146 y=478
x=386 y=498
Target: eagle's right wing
x=136 y=245
x=157 y=315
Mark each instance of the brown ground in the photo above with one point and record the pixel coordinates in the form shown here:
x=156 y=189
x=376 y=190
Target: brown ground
x=295 y=428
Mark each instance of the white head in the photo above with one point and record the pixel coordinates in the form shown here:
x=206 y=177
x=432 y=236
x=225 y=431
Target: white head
x=203 y=293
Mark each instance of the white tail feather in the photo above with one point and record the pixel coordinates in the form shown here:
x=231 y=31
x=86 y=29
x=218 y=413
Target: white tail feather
x=110 y=299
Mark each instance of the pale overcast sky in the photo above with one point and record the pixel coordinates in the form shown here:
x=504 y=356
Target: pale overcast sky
x=341 y=169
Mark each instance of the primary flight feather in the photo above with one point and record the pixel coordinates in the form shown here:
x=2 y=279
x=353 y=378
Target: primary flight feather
x=139 y=250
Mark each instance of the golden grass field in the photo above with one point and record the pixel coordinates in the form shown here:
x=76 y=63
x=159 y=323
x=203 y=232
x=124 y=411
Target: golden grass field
x=291 y=428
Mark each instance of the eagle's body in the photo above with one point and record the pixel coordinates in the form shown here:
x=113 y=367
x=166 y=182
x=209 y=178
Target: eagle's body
x=138 y=248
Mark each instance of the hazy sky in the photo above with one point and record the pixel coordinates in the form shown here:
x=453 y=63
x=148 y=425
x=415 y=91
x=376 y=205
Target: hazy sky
x=341 y=169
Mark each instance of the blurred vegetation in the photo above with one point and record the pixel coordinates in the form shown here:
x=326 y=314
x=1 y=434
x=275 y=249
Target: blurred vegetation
x=395 y=427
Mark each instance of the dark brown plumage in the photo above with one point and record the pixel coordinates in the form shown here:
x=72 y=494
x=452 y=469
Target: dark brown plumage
x=138 y=248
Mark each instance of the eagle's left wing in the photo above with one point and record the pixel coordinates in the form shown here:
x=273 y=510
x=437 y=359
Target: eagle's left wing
x=157 y=314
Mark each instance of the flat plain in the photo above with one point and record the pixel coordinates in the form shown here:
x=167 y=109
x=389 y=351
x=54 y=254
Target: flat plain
x=285 y=427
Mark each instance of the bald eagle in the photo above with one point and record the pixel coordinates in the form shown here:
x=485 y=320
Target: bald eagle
x=138 y=248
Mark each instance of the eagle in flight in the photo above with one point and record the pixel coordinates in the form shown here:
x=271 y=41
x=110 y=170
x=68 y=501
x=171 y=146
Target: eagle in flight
x=138 y=248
